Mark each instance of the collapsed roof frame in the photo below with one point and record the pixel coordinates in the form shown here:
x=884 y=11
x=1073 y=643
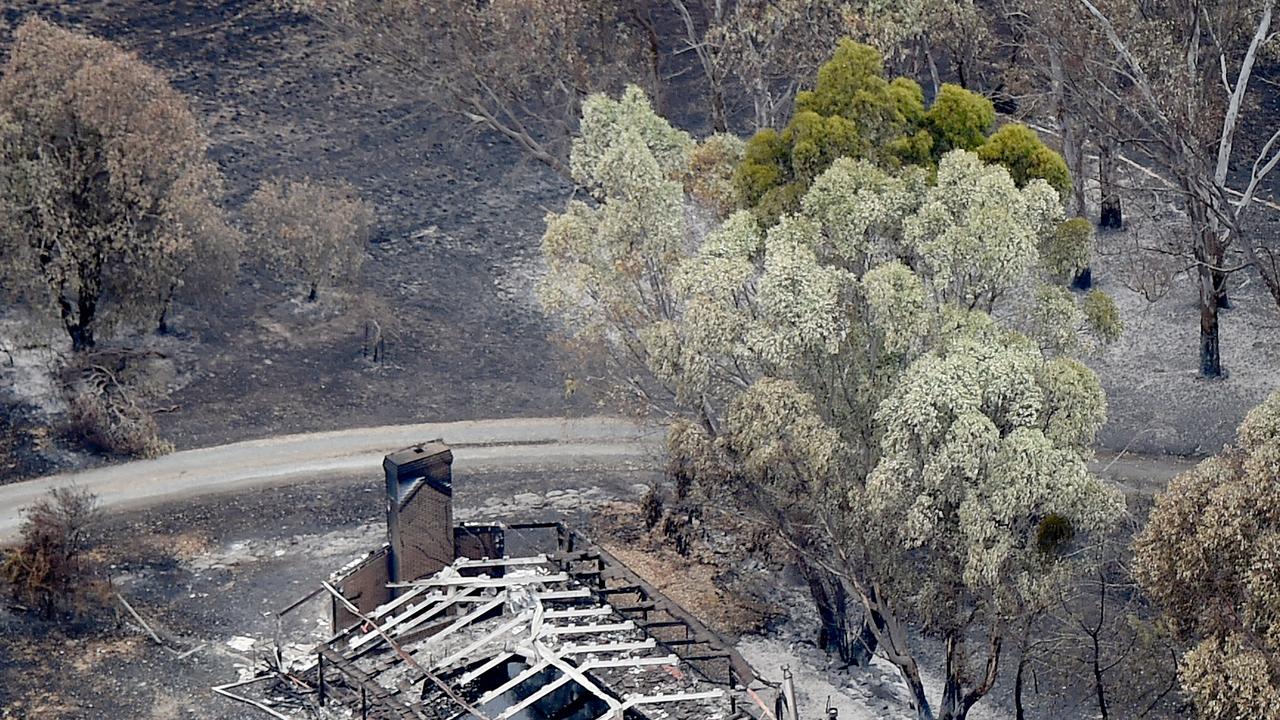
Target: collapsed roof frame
x=571 y=585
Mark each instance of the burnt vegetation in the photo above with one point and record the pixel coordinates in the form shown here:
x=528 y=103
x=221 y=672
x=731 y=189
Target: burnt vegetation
x=957 y=200
x=47 y=572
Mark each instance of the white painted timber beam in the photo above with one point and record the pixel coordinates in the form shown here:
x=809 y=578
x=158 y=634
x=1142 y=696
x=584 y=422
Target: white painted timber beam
x=587 y=629
x=563 y=594
x=483 y=581
x=648 y=644
x=501 y=562
x=461 y=622
x=631 y=662
x=579 y=612
x=521 y=619
x=616 y=713
x=419 y=612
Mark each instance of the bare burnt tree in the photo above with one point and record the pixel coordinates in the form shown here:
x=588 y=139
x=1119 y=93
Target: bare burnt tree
x=1051 y=45
x=765 y=49
x=517 y=67
x=1177 y=85
x=1097 y=642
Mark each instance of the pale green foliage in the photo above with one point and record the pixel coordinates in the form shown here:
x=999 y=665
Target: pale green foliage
x=861 y=207
x=1056 y=320
x=777 y=429
x=1074 y=406
x=1210 y=557
x=840 y=373
x=1064 y=326
x=976 y=233
x=1102 y=316
x=611 y=264
x=897 y=303
x=963 y=438
x=595 y=148
x=799 y=299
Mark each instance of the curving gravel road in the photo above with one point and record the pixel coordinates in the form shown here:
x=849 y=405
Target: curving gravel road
x=357 y=453
x=238 y=467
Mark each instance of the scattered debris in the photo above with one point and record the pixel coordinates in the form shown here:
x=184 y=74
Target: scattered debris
x=522 y=618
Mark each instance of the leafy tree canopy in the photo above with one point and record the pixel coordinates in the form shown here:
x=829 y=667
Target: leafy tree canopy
x=105 y=186
x=847 y=375
x=855 y=111
x=1210 y=557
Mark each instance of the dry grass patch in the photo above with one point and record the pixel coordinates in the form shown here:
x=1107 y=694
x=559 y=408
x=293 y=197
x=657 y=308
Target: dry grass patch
x=693 y=581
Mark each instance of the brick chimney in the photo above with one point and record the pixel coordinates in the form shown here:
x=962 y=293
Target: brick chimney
x=419 y=510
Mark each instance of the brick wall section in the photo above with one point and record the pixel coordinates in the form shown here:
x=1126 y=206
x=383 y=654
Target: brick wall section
x=365 y=587
x=475 y=541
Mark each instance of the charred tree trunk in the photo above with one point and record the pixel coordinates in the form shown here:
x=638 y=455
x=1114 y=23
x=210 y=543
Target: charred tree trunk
x=1111 y=216
x=953 y=706
x=162 y=323
x=1209 y=256
x=835 y=632
x=311 y=295
x=934 y=76
x=719 y=115
x=1210 y=355
x=763 y=102
x=1072 y=150
x=1069 y=130
x=1019 y=677
x=78 y=313
x=915 y=687
x=653 y=48
x=1220 y=291
x=1099 y=688
x=957 y=699
x=1019 y=712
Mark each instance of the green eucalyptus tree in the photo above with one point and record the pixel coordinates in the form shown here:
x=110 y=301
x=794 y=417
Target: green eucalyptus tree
x=855 y=110
x=855 y=377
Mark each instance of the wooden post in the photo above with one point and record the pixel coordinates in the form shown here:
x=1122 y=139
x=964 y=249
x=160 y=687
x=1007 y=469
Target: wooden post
x=320 y=671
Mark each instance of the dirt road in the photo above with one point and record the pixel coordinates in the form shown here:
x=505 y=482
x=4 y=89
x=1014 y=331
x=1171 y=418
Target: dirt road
x=478 y=445
x=240 y=467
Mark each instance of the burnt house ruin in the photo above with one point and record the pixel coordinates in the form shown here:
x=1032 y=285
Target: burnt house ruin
x=524 y=621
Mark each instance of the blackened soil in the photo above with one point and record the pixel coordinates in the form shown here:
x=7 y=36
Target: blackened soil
x=208 y=571
x=448 y=276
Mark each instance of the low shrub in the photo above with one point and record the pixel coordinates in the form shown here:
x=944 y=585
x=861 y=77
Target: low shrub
x=46 y=571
